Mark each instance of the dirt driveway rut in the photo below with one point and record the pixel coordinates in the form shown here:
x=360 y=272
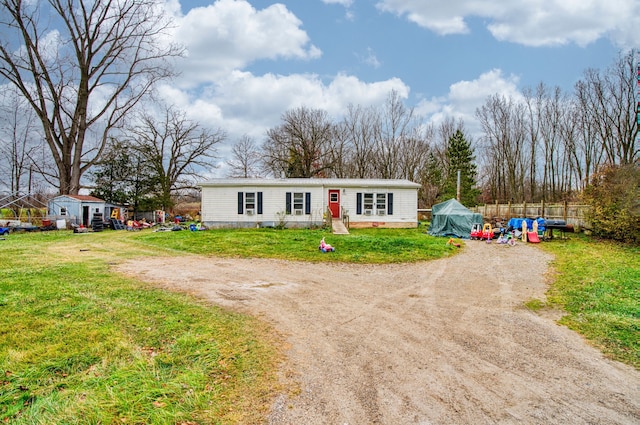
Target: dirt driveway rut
x=443 y=342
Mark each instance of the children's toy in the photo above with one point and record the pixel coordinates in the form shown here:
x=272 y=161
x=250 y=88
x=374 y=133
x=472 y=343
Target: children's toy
x=325 y=247
x=453 y=242
x=511 y=239
x=533 y=237
x=487 y=232
x=476 y=231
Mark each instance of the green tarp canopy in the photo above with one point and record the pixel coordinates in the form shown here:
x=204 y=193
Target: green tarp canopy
x=451 y=218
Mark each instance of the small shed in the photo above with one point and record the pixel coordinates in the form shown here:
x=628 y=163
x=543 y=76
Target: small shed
x=76 y=209
x=306 y=202
x=451 y=218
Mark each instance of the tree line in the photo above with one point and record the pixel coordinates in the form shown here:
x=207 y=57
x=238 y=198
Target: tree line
x=542 y=144
x=77 y=114
x=387 y=142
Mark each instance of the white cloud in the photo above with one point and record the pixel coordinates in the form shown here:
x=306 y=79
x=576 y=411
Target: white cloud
x=230 y=34
x=528 y=22
x=243 y=103
x=348 y=15
x=345 y=3
x=464 y=97
x=370 y=58
x=216 y=90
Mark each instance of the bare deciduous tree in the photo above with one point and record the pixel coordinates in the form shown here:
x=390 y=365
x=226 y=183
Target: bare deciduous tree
x=82 y=65
x=503 y=123
x=609 y=101
x=395 y=125
x=358 y=128
x=246 y=159
x=17 y=145
x=174 y=149
x=301 y=146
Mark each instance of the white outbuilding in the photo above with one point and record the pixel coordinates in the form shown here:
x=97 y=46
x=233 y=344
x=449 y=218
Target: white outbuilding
x=307 y=202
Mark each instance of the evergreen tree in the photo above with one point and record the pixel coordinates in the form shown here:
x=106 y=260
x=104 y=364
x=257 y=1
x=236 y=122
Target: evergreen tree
x=124 y=179
x=460 y=157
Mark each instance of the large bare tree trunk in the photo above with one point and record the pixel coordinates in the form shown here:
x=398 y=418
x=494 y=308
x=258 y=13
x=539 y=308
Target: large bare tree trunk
x=84 y=73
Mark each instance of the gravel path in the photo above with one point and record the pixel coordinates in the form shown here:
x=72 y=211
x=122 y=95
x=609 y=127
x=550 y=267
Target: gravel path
x=443 y=342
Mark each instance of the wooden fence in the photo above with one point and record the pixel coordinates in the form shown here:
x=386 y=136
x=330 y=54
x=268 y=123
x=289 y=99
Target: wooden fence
x=570 y=213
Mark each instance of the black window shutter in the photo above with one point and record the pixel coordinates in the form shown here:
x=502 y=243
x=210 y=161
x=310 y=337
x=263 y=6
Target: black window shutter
x=359 y=203
x=389 y=203
x=259 y=202
x=240 y=202
x=307 y=203
x=288 y=207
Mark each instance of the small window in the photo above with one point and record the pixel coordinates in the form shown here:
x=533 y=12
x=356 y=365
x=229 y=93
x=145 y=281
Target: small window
x=368 y=201
x=298 y=202
x=250 y=201
x=333 y=198
x=381 y=203
x=63 y=211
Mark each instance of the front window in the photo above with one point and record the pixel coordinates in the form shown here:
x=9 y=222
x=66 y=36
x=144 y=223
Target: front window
x=250 y=201
x=368 y=203
x=381 y=203
x=376 y=203
x=298 y=203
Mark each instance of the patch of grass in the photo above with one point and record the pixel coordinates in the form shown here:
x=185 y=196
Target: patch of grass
x=598 y=285
x=535 y=304
x=360 y=246
x=79 y=344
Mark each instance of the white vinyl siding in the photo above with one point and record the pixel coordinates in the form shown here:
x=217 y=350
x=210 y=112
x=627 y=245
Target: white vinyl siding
x=282 y=197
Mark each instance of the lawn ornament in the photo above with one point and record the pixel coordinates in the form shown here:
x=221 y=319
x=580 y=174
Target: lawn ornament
x=325 y=247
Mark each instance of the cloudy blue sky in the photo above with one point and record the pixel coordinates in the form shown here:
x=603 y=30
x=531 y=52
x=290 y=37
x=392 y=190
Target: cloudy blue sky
x=248 y=62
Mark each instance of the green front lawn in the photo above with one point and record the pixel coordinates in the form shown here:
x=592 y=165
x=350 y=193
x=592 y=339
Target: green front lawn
x=598 y=285
x=80 y=344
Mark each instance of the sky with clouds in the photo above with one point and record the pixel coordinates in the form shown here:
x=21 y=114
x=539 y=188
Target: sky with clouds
x=248 y=61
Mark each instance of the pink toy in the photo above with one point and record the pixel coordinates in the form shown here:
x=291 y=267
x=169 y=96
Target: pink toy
x=325 y=247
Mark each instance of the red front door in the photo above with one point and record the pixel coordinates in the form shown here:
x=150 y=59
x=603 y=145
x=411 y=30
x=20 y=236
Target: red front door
x=334 y=203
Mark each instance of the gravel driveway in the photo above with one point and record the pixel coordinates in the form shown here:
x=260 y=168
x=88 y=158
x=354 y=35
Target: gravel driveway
x=443 y=342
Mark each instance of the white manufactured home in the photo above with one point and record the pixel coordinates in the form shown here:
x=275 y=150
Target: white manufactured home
x=306 y=202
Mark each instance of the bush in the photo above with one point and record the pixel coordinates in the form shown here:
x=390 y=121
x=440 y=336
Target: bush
x=614 y=196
